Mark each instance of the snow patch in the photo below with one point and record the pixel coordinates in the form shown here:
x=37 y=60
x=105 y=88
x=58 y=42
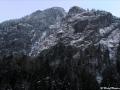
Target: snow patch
x=43 y=34
x=35 y=47
x=112 y=42
x=99 y=78
x=108 y=29
x=75 y=41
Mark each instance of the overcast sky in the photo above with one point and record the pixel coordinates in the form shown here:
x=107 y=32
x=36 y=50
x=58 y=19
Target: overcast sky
x=11 y=9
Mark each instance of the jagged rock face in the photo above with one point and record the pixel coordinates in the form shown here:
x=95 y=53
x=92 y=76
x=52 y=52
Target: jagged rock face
x=94 y=22
x=84 y=29
x=43 y=29
x=80 y=26
x=21 y=35
x=102 y=20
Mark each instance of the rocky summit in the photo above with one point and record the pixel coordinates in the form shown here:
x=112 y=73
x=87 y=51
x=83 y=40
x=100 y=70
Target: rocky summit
x=58 y=50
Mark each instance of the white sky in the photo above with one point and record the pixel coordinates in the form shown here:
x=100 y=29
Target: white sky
x=12 y=9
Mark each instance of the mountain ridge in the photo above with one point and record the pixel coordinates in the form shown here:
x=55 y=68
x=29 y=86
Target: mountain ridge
x=30 y=27
x=77 y=50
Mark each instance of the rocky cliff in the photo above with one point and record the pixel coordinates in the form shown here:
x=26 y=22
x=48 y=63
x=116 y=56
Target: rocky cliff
x=78 y=50
x=22 y=34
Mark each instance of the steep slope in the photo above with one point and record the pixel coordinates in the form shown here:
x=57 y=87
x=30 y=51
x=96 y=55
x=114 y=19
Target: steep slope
x=74 y=51
x=60 y=67
x=21 y=34
x=96 y=34
x=83 y=28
